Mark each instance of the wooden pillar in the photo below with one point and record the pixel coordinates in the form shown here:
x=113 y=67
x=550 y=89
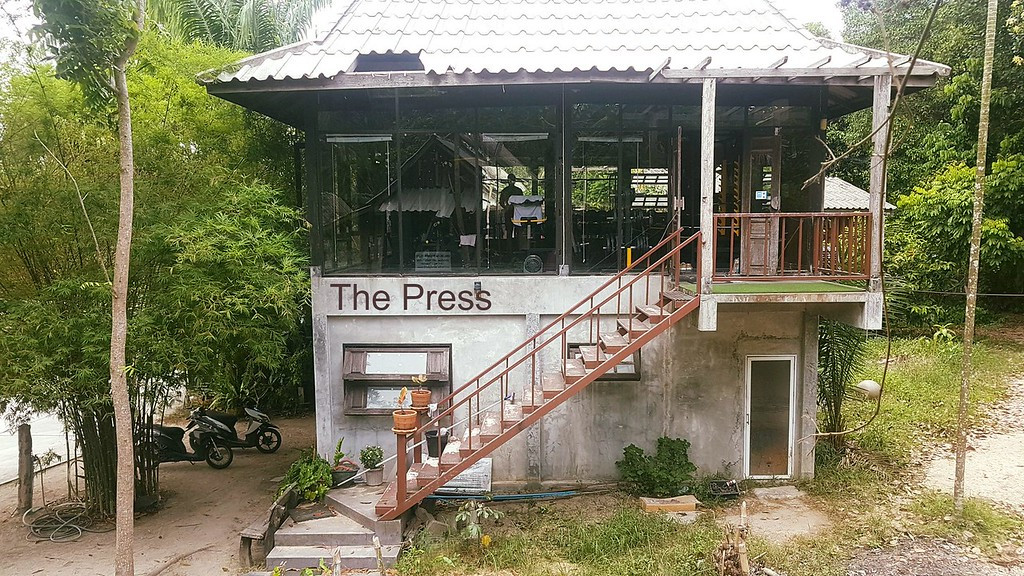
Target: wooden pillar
x=26 y=473
x=707 y=317
x=880 y=115
x=707 y=184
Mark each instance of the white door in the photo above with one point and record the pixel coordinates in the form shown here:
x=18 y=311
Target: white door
x=769 y=417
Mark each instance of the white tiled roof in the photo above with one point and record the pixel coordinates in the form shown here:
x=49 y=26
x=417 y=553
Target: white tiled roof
x=544 y=36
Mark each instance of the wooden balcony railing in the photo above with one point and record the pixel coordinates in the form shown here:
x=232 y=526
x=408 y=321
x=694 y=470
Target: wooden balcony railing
x=798 y=245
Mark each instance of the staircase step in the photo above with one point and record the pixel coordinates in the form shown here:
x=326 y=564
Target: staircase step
x=467 y=447
x=426 y=470
x=388 y=501
x=675 y=298
x=352 y=557
x=633 y=327
x=552 y=383
x=513 y=413
x=612 y=342
x=574 y=370
x=592 y=356
x=653 y=314
x=359 y=503
x=450 y=457
x=332 y=531
x=490 y=427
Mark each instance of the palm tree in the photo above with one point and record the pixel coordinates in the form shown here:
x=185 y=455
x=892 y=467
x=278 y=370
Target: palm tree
x=249 y=25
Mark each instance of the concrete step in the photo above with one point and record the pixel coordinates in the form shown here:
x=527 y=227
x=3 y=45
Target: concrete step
x=633 y=327
x=593 y=356
x=675 y=298
x=612 y=342
x=652 y=314
x=426 y=470
x=352 y=557
x=450 y=457
x=359 y=504
x=490 y=427
x=333 y=531
x=551 y=384
x=574 y=370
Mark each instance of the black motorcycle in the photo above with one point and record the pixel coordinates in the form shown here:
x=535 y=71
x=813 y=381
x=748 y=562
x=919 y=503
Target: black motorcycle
x=261 y=433
x=167 y=443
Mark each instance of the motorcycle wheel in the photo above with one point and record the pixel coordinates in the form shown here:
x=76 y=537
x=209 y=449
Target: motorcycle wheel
x=219 y=458
x=148 y=450
x=269 y=441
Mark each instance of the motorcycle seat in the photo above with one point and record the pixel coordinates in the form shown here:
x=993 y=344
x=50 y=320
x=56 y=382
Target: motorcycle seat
x=228 y=420
x=172 y=431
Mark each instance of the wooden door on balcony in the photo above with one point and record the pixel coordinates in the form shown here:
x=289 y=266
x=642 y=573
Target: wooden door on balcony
x=760 y=236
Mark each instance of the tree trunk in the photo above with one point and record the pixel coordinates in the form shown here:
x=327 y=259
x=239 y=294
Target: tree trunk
x=26 y=471
x=975 y=257
x=124 y=562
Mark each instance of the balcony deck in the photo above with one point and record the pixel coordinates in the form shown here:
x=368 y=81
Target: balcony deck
x=795 y=291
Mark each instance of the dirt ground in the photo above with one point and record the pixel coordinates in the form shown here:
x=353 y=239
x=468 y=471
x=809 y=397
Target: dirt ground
x=195 y=532
x=994 y=470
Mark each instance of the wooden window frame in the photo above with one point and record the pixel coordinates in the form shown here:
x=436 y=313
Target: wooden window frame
x=356 y=383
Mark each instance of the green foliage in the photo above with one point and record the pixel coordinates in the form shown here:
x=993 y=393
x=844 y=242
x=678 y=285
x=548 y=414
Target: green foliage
x=472 y=516
x=87 y=37
x=987 y=525
x=668 y=473
x=249 y=25
x=311 y=475
x=840 y=356
x=371 y=457
x=339 y=453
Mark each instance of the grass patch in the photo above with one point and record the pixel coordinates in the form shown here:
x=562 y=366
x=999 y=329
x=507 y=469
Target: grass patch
x=981 y=524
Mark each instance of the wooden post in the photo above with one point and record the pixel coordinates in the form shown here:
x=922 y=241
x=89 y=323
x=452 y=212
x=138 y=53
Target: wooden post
x=401 y=468
x=879 y=116
x=26 y=472
x=707 y=184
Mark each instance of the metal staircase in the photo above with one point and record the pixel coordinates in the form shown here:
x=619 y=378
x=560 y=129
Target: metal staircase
x=614 y=321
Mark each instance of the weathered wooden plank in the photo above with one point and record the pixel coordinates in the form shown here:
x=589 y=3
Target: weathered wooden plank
x=879 y=117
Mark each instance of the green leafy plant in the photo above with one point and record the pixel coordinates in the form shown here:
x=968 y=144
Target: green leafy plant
x=371 y=457
x=471 y=516
x=668 y=473
x=311 y=474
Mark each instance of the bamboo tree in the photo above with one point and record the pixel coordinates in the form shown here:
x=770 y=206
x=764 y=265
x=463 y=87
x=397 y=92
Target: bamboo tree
x=974 y=263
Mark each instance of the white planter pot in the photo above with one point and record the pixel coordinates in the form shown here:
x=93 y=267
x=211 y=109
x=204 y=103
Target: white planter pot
x=374 y=476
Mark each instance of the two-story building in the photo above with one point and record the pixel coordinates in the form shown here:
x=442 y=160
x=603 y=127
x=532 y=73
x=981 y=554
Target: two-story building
x=587 y=223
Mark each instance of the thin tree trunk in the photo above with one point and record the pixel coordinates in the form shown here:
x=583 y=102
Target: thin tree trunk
x=124 y=562
x=975 y=258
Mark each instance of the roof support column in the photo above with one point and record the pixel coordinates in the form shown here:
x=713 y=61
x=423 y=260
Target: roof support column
x=879 y=118
x=707 y=319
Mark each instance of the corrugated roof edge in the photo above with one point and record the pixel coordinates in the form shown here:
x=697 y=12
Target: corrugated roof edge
x=940 y=69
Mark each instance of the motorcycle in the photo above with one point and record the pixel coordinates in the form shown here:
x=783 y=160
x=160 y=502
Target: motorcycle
x=167 y=443
x=261 y=433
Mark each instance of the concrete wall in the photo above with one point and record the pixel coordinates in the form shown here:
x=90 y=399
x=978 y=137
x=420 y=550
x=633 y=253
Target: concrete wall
x=692 y=386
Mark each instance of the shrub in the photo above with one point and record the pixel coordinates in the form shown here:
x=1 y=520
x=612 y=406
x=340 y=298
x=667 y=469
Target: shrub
x=311 y=475
x=371 y=457
x=668 y=473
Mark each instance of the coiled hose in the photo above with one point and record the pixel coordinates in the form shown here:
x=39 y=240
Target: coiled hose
x=61 y=522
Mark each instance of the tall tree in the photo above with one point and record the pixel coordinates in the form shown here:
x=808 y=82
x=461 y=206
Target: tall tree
x=250 y=25
x=972 y=276
x=93 y=41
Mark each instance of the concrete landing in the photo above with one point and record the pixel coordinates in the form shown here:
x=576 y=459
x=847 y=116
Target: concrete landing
x=352 y=557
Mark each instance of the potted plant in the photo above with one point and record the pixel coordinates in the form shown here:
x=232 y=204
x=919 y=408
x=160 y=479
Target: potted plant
x=371 y=458
x=343 y=468
x=420 y=396
x=405 y=419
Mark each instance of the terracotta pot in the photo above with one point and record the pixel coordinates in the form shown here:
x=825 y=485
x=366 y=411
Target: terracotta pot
x=420 y=397
x=405 y=419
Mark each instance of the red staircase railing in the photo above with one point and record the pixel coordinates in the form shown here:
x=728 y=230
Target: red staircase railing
x=618 y=296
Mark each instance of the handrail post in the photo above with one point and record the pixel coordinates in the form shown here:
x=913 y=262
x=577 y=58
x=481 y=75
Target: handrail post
x=401 y=492
x=417 y=448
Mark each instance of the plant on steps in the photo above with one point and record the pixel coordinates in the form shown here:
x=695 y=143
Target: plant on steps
x=311 y=475
x=668 y=473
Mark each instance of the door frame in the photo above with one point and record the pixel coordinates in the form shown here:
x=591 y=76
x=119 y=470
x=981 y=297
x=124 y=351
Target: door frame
x=750 y=359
